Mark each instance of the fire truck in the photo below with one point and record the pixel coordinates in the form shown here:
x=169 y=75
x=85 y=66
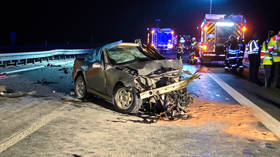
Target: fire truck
x=163 y=39
x=215 y=31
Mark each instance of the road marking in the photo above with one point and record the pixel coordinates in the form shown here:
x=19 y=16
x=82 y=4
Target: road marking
x=271 y=123
x=18 y=136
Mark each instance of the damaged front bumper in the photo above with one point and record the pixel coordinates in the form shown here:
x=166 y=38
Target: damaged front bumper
x=168 y=88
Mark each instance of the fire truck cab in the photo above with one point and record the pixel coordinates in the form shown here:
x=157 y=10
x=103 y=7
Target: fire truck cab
x=163 y=39
x=215 y=31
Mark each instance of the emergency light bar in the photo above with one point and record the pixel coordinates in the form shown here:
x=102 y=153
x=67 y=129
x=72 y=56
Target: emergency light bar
x=226 y=24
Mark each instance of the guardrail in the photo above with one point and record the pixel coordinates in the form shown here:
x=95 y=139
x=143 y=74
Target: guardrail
x=32 y=57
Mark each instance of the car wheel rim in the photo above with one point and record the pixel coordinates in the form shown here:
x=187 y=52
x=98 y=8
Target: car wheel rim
x=80 y=87
x=124 y=99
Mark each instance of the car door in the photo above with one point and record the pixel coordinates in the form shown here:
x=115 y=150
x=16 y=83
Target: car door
x=96 y=74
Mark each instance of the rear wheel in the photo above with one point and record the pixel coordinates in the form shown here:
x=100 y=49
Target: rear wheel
x=80 y=87
x=126 y=101
x=226 y=70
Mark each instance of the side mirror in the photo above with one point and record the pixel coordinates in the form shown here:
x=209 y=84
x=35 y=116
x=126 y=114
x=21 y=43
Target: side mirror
x=96 y=65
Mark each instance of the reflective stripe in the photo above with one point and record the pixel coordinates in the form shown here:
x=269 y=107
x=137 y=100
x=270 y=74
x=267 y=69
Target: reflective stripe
x=254 y=44
x=276 y=54
x=267 y=57
x=209 y=54
x=253 y=52
x=234 y=57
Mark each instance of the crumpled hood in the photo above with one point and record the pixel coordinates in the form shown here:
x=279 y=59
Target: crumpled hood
x=147 y=67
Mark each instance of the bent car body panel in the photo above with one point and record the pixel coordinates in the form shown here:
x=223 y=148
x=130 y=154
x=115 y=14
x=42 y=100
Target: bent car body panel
x=168 y=88
x=147 y=67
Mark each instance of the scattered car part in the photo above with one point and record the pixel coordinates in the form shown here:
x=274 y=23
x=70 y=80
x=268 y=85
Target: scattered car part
x=10 y=94
x=2 y=75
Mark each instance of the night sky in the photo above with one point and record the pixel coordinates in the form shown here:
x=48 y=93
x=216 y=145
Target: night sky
x=75 y=21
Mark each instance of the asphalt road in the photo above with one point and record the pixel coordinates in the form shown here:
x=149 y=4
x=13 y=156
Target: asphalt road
x=267 y=99
x=53 y=123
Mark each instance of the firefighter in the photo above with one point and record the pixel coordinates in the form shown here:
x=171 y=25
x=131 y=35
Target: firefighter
x=194 y=46
x=254 y=59
x=179 y=51
x=241 y=43
x=194 y=42
x=188 y=43
x=274 y=49
x=267 y=62
x=230 y=44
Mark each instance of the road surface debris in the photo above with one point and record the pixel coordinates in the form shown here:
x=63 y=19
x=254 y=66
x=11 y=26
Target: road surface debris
x=44 y=82
x=4 y=92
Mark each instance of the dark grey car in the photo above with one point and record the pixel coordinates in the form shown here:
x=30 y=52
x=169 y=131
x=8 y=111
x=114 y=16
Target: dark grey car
x=128 y=75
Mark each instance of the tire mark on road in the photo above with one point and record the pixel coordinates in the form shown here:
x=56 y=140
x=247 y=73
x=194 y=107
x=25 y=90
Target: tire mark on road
x=18 y=136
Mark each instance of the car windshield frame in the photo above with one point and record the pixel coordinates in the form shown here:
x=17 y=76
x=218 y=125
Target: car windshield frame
x=123 y=54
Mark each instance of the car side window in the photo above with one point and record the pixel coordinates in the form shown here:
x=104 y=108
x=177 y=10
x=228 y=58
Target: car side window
x=94 y=56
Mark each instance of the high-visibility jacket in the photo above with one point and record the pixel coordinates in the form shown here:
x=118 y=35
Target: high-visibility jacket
x=266 y=57
x=274 y=47
x=253 y=47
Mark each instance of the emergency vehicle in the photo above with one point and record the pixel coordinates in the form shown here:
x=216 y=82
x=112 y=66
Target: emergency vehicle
x=163 y=39
x=215 y=31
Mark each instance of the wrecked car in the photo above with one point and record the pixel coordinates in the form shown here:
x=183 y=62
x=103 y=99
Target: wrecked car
x=132 y=77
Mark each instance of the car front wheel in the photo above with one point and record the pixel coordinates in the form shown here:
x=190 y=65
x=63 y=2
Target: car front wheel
x=80 y=88
x=126 y=100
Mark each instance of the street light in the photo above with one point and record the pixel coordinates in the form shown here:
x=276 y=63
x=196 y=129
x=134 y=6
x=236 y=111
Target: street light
x=210 y=6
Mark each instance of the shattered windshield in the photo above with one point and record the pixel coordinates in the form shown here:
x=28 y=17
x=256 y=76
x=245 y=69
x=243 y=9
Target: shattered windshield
x=125 y=54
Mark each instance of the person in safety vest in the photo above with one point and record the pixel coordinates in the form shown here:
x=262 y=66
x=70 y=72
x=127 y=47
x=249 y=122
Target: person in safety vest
x=274 y=49
x=266 y=58
x=254 y=59
x=180 y=51
x=194 y=42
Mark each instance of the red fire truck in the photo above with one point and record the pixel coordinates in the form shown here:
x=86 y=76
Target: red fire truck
x=215 y=31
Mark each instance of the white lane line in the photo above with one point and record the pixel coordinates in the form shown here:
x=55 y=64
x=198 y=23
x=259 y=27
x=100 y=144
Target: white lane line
x=18 y=136
x=271 y=123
